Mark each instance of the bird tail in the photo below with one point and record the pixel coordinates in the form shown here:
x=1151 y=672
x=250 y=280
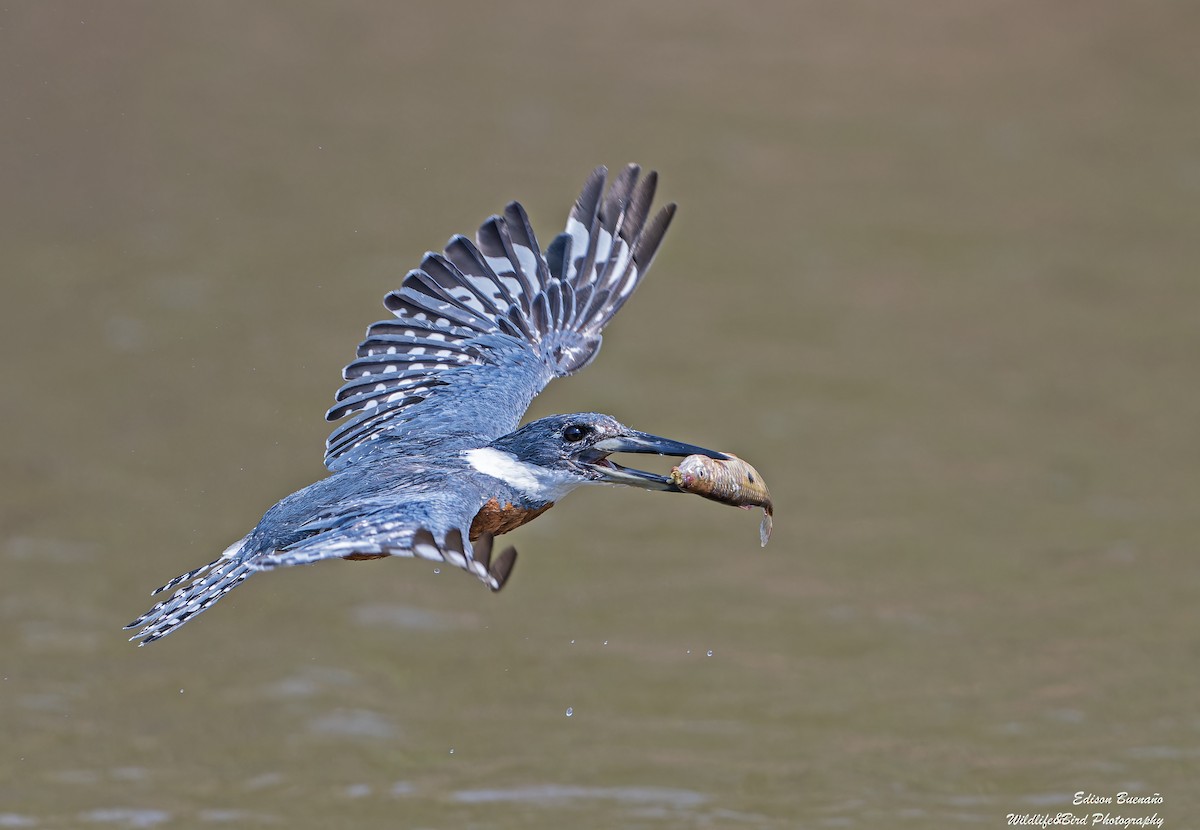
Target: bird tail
x=201 y=588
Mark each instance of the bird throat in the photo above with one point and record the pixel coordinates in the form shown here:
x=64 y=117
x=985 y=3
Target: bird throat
x=538 y=484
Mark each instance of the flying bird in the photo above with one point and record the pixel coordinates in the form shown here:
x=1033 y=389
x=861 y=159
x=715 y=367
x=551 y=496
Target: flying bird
x=431 y=461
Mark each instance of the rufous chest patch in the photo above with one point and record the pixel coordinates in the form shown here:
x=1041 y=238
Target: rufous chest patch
x=495 y=518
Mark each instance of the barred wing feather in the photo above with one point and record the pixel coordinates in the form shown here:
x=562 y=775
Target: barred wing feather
x=483 y=326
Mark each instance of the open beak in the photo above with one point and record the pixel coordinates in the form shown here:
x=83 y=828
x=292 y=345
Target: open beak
x=643 y=442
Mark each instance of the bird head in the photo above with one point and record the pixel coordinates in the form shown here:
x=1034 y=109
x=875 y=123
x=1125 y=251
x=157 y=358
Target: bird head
x=577 y=447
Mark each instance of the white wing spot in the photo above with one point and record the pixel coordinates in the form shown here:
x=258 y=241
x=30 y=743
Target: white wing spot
x=499 y=264
x=603 y=247
x=527 y=258
x=514 y=286
x=428 y=552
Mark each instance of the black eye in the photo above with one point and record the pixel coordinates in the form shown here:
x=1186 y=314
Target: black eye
x=574 y=433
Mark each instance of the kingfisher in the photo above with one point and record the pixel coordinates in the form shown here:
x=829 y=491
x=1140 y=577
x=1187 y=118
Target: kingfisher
x=431 y=461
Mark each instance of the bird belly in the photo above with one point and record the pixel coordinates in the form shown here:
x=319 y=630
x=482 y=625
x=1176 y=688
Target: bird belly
x=495 y=518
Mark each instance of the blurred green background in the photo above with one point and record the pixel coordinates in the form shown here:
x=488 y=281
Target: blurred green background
x=933 y=273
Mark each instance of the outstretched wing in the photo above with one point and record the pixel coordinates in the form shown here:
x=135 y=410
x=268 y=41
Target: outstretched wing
x=482 y=327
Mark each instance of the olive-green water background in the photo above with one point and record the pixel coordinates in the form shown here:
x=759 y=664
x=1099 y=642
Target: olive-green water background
x=933 y=272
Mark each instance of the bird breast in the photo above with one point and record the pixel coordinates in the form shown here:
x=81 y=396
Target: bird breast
x=496 y=518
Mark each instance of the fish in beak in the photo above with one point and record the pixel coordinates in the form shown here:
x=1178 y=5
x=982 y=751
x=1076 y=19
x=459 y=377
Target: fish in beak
x=610 y=472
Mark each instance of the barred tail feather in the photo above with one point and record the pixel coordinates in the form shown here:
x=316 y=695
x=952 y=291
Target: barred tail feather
x=206 y=585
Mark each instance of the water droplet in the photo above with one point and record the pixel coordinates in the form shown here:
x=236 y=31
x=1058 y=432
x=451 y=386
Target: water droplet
x=570 y=711
x=572 y=642
x=451 y=750
x=689 y=651
x=606 y=642
x=710 y=652
x=437 y=570
x=181 y=691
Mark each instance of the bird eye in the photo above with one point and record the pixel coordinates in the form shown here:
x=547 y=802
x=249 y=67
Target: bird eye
x=574 y=433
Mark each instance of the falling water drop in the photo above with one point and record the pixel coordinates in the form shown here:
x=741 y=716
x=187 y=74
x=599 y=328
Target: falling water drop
x=437 y=570
x=710 y=652
x=570 y=711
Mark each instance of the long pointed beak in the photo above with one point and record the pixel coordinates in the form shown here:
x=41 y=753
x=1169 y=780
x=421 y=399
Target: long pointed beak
x=642 y=442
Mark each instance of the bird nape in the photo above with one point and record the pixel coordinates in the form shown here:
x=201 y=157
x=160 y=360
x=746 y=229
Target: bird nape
x=430 y=462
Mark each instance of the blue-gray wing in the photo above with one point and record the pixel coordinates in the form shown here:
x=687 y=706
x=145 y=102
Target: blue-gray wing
x=482 y=327
x=329 y=519
x=431 y=525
